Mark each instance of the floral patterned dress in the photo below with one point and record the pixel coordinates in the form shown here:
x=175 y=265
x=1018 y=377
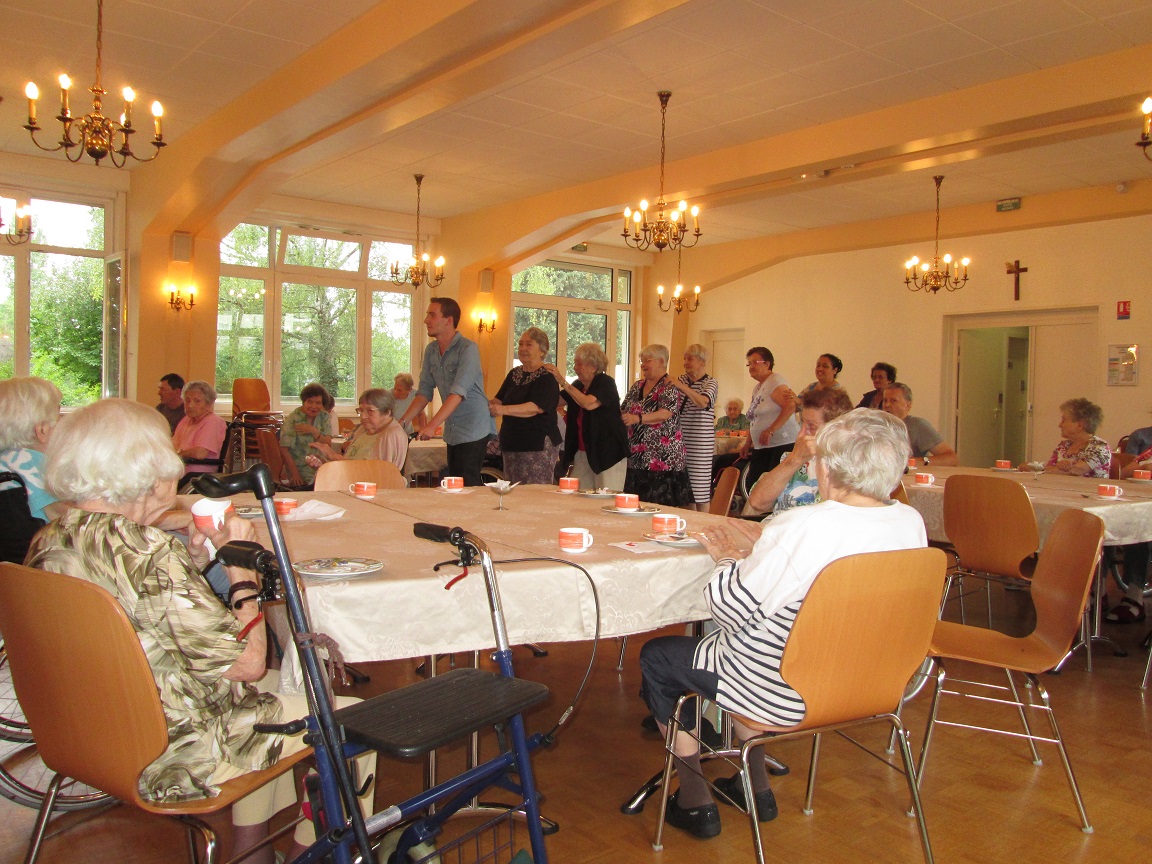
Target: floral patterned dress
x=1096 y=453
x=656 y=458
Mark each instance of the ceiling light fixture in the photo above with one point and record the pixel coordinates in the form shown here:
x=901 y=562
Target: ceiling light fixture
x=416 y=272
x=97 y=134
x=22 y=230
x=663 y=232
x=678 y=302
x=939 y=274
x=1146 y=134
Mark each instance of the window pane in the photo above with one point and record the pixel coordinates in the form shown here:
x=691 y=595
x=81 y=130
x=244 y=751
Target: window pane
x=67 y=322
x=380 y=258
x=113 y=333
x=623 y=286
x=391 y=336
x=557 y=280
x=584 y=327
x=322 y=252
x=318 y=340
x=8 y=214
x=247 y=245
x=76 y=226
x=524 y=317
x=7 y=316
x=623 y=349
x=239 y=331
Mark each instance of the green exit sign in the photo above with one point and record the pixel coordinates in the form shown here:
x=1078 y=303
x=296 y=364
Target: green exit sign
x=1006 y=204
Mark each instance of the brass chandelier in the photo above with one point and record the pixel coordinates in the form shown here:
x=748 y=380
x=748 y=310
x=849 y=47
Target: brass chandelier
x=415 y=273
x=939 y=274
x=94 y=134
x=676 y=301
x=664 y=232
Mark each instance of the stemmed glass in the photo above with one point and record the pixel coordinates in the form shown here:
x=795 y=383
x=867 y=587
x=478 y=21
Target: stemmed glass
x=501 y=488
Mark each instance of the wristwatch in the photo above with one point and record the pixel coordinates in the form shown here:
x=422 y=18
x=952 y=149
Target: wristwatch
x=925 y=460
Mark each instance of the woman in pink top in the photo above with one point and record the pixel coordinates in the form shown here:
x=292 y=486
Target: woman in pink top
x=200 y=435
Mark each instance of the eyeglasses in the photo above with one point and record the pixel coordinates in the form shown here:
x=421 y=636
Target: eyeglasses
x=752 y=363
x=369 y=409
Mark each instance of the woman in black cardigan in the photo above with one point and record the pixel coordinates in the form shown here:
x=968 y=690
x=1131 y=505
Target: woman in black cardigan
x=596 y=443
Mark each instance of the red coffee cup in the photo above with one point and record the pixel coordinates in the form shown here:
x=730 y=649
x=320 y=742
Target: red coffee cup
x=668 y=523
x=1109 y=490
x=627 y=501
x=1003 y=463
x=452 y=484
x=569 y=484
x=363 y=489
x=284 y=506
x=575 y=539
x=1141 y=474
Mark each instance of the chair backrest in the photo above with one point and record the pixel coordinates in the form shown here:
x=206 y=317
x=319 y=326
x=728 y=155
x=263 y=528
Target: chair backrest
x=1119 y=462
x=862 y=631
x=1063 y=578
x=347 y=425
x=250 y=394
x=82 y=679
x=338 y=476
x=990 y=523
x=284 y=470
x=900 y=494
x=725 y=489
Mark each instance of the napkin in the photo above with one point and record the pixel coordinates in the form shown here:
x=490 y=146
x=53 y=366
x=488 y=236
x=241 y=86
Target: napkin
x=639 y=547
x=313 y=510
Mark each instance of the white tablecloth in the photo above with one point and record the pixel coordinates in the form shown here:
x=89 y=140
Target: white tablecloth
x=1127 y=520
x=426 y=456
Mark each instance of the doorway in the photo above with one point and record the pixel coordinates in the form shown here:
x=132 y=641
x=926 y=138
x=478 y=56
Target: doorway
x=992 y=395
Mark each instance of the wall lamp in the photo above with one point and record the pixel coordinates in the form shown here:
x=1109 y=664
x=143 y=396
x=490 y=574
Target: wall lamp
x=178 y=302
x=22 y=231
x=489 y=327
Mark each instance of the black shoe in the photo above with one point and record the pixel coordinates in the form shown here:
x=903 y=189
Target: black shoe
x=732 y=792
x=700 y=822
x=648 y=724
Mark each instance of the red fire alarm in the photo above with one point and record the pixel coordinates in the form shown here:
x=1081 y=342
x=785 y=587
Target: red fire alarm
x=1123 y=310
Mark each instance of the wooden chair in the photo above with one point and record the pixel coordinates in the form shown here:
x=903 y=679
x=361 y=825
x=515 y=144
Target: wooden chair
x=1059 y=592
x=90 y=698
x=252 y=411
x=284 y=471
x=900 y=494
x=347 y=425
x=992 y=527
x=338 y=476
x=861 y=633
x=724 y=491
x=1120 y=461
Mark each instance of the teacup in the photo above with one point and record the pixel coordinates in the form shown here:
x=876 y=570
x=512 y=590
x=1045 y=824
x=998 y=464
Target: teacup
x=363 y=490
x=452 y=484
x=208 y=513
x=627 y=501
x=575 y=539
x=912 y=462
x=284 y=506
x=667 y=523
x=569 y=485
x=1141 y=474
x=1109 y=490
x=923 y=478
x=1004 y=464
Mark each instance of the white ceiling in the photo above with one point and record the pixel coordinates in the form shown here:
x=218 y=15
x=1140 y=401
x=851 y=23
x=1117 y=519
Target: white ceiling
x=740 y=70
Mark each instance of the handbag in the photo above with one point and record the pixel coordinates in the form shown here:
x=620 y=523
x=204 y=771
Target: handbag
x=17 y=525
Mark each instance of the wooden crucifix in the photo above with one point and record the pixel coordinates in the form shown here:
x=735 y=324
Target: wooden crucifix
x=1014 y=269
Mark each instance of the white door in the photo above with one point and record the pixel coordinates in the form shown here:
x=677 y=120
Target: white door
x=726 y=364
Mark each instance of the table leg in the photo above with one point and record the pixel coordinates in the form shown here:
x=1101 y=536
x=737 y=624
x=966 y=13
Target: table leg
x=1092 y=632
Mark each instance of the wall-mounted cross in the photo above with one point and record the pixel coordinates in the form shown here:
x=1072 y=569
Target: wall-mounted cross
x=1014 y=269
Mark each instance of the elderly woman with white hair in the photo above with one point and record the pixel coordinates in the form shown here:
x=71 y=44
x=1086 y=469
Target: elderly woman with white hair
x=698 y=422
x=651 y=411
x=200 y=435
x=379 y=435
x=204 y=655
x=754 y=598
x=526 y=400
x=29 y=409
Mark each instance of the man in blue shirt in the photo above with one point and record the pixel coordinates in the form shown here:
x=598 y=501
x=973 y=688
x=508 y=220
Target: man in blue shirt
x=452 y=367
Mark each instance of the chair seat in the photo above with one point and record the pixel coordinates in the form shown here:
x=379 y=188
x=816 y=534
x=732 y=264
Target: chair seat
x=429 y=714
x=992 y=648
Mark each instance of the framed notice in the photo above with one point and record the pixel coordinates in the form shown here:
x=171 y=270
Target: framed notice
x=1123 y=365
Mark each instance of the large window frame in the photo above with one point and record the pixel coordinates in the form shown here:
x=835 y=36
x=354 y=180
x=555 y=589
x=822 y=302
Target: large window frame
x=278 y=272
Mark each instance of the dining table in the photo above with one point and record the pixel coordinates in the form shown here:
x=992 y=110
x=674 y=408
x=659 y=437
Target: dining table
x=425 y=457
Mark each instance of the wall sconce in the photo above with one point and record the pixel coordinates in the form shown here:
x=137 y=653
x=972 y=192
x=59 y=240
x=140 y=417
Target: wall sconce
x=177 y=302
x=490 y=327
x=23 y=227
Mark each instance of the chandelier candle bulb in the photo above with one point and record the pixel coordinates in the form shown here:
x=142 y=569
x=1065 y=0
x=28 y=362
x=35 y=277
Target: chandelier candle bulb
x=33 y=93
x=1146 y=107
x=157 y=114
x=65 y=84
x=129 y=97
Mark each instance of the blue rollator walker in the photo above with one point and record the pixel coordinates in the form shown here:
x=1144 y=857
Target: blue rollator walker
x=408 y=722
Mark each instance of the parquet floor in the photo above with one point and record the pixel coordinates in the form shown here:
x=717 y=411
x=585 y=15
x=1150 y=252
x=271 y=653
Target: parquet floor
x=984 y=800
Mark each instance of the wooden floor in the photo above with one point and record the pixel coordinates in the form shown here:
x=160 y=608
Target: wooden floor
x=984 y=799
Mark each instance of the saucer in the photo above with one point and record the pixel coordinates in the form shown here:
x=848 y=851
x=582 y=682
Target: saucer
x=643 y=510
x=1013 y=470
x=673 y=539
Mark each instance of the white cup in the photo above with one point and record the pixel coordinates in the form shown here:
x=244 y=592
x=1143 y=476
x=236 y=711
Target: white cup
x=668 y=523
x=452 y=484
x=575 y=539
x=1109 y=490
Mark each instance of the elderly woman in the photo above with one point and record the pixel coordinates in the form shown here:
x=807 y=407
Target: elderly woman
x=404 y=391
x=204 y=655
x=755 y=596
x=733 y=419
x=307 y=425
x=1080 y=452
x=792 y=483
x=379 y=435
x=698 y=422
x=651 y=411
x=29 y=409
x=527 y=400
x=596 y=444
x=883 y=375
x=200 y=435
x=771 y=415
x=828 y=367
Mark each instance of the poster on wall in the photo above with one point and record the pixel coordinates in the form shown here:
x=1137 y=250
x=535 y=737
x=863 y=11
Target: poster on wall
x=1123 y=365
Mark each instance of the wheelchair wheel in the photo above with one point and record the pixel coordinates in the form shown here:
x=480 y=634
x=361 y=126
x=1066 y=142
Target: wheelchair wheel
x=12 y=725
x=491 y=475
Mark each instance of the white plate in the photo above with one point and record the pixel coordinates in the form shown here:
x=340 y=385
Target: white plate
x=642 y=510
x=1130 y=480
x=247 y=511
x=1013 y=470
x=924 y=485
x=338 y=568
x=597 y=493
x=673 y=539
x=1108 y=497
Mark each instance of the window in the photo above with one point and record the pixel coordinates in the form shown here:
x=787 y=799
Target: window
x=57 y=318
x=573 y=304
x=298 y=306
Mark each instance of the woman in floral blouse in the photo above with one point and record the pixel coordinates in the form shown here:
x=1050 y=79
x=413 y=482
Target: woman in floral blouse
x=1080 y=452
x=651 y=411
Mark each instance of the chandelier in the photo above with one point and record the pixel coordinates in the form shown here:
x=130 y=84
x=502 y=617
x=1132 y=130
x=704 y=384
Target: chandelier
x=676 y=301
x=664 y=231
x=939 y=274
x=416 y=272
x=22 y=231
x=1146 y=135
x=95 y=134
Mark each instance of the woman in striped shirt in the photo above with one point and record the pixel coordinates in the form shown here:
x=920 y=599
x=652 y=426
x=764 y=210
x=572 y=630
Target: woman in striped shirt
x=698 y=422
x=754 y=598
